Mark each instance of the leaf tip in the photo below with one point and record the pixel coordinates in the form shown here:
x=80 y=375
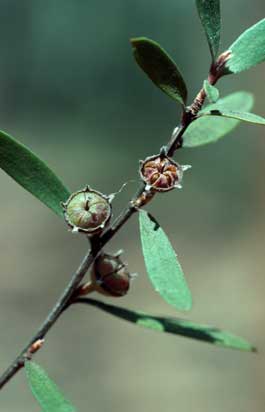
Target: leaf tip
x=136 y=41
x=133 y=40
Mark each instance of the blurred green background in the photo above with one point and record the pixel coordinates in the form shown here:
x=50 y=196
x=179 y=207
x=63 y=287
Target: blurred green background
x=70 y=90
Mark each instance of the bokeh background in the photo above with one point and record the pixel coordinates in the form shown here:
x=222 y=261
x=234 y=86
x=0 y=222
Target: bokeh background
x=71 y=91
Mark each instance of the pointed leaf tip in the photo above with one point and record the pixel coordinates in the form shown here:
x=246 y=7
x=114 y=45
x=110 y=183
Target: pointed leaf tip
x=162 y=265
x=210 y=16
x=160 y=68
x=45 y=390
x=32 y=173
x=248 y=50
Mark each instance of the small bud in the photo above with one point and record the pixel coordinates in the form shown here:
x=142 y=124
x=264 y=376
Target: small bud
x=111 y=275
x=87 y=211
x=218 y=69
x=161 y=173
x=36 y=346
x=33 y=348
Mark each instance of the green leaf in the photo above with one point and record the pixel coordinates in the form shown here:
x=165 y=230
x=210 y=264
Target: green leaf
x=174 y=326
x=209 y=129
x=245 y=117
x=162 y=265
x=209 y=13
x=248 y=50
x=160 y=68
x=31 y=173
x=211 y=91
x=45 y=390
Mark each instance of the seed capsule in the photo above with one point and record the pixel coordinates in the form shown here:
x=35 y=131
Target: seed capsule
x=87 y=211
x=111 y=275
x=161 y=173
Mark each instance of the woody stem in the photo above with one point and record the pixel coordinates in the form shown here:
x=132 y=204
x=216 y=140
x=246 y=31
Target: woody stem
x=97 y=243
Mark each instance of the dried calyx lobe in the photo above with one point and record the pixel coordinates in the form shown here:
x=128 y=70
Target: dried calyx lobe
x=111 y=275
x=87 y=211
x=161 y=173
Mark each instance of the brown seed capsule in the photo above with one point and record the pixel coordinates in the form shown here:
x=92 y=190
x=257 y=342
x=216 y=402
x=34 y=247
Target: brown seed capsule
x=161 y=173
x=87 y=211
x=111 y=275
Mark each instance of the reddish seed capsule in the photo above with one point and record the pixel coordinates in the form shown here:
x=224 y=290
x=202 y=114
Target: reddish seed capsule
x=87 y=211
x=161 y=173
x=111 y=275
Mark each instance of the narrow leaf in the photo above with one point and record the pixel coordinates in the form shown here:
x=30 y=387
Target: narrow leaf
x=45 y=390
x=174 y=326
x=162 y=265
x=209 y=129
x=160 y=68
x=211 y=91
x=248 y=50
x=245 y=117
x=31 y=173
x=209 y=13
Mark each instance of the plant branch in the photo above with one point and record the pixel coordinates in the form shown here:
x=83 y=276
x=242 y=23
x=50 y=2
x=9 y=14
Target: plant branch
x=139 y=200
x=52 y=317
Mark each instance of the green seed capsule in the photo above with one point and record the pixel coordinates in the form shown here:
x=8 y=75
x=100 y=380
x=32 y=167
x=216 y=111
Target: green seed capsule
x=87 y=211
